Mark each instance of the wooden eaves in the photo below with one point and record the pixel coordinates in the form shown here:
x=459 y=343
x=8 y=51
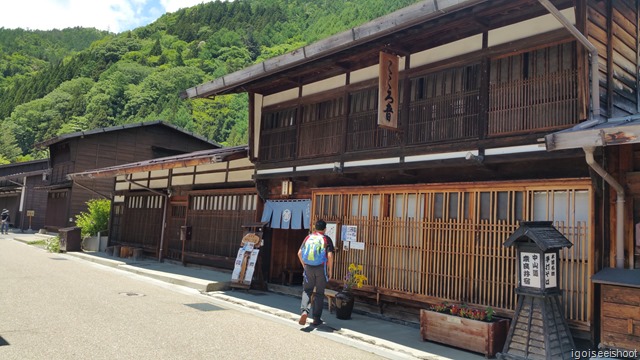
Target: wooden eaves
x=612 y=132
x=21 y=175
x=170 y=162
x=441 y=21
x=80 y=134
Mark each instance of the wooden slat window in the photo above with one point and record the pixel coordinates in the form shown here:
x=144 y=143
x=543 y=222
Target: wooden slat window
x=139 y=220
x=321 y=128
x=216 y=221
x=363 y=132
x=446 y=244
x=445 y=106
x=278 y=135
x=537 y=90
x=60 y=171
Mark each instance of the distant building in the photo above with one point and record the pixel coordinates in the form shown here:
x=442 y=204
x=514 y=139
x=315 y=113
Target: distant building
x=18 y=193
x=210 y=192
x=81 y=151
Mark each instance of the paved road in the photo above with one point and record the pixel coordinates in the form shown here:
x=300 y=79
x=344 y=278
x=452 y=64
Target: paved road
x=54 y=306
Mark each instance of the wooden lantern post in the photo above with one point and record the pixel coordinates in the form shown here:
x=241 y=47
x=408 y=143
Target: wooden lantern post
x=539 y=329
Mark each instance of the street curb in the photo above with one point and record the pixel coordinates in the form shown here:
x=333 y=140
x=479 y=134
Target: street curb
x=194 y=283
x=201 y=285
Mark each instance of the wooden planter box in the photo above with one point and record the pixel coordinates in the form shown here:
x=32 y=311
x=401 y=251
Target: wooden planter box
x=473 y=335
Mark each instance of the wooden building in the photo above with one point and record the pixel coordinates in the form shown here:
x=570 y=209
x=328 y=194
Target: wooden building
x=80 y=151
x=421 y=136
x=18 y=193
x=209 y=194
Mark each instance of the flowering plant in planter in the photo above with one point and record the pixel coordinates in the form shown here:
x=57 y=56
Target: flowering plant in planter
x=354 y=277
x=464 y=311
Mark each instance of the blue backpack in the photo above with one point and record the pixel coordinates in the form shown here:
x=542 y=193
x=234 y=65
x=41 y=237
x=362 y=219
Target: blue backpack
x=314 y=250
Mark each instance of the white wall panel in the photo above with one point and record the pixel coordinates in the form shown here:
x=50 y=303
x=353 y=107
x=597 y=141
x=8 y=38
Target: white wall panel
x=443 y=52
x=182 y=180
x=529 y=28
x=240 y=175
x=324 y=85
x=277 y=97
x=215 y=178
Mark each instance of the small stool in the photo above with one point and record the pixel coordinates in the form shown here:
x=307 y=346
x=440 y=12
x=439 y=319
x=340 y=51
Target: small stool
x=330 y=295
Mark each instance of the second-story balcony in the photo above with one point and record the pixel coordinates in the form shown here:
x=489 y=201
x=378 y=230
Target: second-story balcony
x=523 y=94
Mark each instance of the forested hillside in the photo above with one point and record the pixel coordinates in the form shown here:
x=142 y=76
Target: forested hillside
x=55 y=82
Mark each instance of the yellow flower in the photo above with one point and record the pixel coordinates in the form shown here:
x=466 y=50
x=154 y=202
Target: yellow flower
x=354 y=277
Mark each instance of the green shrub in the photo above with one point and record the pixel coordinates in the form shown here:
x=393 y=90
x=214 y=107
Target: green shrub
x=96 y=220
x=53 y=244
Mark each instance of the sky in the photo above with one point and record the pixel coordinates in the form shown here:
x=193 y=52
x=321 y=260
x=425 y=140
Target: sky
x=111 y=15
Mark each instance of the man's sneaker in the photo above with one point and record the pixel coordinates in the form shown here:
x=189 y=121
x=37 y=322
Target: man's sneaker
x=303 y=318
x=316 y=322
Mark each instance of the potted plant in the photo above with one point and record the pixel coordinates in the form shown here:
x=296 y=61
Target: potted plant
x=345 y=299
x=465 y=327
x=93 y=223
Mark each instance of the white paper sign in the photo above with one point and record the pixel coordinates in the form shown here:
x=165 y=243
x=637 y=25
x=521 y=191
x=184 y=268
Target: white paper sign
x=330 y=231
x=251 y=267
x=349 y=233
x=235 y=275
x=550 y=270
x=530 y=269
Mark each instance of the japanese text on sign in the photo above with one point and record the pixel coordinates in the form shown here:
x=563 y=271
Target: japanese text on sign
x=530 y=269
x=550 y=275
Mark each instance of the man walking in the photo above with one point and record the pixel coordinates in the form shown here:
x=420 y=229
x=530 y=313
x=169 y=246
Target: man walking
x=316 y=257
x=4 y=219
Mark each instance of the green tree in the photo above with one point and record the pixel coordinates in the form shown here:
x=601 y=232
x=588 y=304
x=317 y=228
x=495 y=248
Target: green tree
x=156 y=50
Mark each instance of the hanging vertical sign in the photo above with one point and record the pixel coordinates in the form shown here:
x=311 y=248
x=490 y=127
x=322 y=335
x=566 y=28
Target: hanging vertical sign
x=388 y=91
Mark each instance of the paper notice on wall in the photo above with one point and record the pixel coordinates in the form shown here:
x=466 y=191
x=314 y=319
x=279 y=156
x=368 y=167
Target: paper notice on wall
x=330 y=231
x=357 y=245
x=349 y=233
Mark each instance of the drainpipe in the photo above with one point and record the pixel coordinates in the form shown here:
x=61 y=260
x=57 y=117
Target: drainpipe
x=164 y=211
x=595 y=77
x=588 y=151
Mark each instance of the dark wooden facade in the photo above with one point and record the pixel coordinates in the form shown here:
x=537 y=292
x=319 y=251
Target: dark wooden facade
x=99 y=148
x=18 y=184
x=480 y=85
x=210 y=191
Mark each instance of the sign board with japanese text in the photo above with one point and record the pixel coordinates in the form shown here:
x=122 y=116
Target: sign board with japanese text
x=388 y=91
x=550 y=270
x=530 y=269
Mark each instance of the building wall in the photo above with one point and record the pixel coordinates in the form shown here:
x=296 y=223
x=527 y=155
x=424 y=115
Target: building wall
x=36 y=200
x=612 y=27
x=116 y=148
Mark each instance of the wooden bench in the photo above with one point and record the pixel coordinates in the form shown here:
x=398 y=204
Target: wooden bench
x=330 y=295
x=288 y=274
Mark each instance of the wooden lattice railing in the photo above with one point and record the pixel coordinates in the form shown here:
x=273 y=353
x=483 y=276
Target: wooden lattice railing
x=543 y=102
